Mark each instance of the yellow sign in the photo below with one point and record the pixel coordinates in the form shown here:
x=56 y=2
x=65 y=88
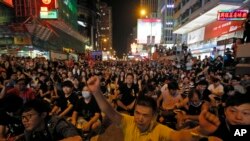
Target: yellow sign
x=22 y=40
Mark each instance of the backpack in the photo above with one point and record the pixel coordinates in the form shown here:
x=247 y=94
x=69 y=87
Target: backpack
x=54 y=121
x=50 y=132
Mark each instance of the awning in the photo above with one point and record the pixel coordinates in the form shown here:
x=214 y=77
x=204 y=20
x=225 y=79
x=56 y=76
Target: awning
x=203 y=19
x=67 y=29
x=54 y=35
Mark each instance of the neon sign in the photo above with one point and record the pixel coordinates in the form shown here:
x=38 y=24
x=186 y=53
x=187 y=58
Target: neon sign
x=232 y=15
x=48 y=15
x=46 y=1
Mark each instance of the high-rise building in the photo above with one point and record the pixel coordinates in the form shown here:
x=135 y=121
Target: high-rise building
x=105 y=27
x=201 y=29
x=166 y=10
x=151 y=7
x=88 y=16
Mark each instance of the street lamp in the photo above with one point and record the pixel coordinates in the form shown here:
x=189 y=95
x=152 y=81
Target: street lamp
x=103 y=41
x=143 y=12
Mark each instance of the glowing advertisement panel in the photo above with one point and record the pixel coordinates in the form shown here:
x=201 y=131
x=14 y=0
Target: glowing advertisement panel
x=48 y=15
x=149 y=31
x=7 y=2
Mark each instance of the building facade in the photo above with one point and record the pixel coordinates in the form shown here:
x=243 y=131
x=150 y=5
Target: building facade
x=166 y=10
x=105 y=28
x=151 y=7
x=88 y=16
x=39 y=28
x=196 y=21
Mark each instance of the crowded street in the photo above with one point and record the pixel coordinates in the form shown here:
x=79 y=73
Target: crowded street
x=67 y=73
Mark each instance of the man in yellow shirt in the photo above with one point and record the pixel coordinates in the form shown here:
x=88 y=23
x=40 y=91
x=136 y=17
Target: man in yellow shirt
x=143 y=126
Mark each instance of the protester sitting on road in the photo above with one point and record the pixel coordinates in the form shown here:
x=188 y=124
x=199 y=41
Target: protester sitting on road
x=236 y=114
x=41 y=127
x=143 y=125
x=11 y=127
x=87 y=114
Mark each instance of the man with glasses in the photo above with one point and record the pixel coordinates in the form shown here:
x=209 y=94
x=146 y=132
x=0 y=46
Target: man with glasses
x=41 y=127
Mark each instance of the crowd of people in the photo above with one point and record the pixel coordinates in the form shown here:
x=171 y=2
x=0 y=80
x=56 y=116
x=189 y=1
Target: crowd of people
x=151 y=100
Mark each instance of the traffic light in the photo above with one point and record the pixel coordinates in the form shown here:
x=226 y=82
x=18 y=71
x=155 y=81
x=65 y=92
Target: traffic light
x=47 y=5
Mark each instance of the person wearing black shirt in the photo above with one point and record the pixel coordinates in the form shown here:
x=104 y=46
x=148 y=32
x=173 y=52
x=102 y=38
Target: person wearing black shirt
x=236 y=116
x=128 y=93
x=202 y=88
x=87 y=114
x=66 y=103
x=11 y=126
x=41 y=127
x=246 y=34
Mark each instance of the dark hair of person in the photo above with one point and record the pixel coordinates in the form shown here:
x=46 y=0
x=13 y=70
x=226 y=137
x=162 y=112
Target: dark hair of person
x=22 y=79
x=173 y=85
x=39 y=105
x=202 y=82
x=130 y=75
x=147 y=102
x=215 y=80
x=67 y=83
x=191 y=94
x=238 y=99
x=11 y=103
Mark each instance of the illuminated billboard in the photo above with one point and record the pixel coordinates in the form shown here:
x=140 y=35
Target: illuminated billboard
x=149 y=31
x=232 y=15
x=7 y=2
x=49 y=14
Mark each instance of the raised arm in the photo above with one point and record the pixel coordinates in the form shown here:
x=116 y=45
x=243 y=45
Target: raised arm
x=94 y=87
x=208 y=123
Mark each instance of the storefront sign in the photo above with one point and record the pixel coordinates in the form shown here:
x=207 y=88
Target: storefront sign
x=48 y=15
x=218 y=28
x=232 y=15
x=22 y=40
x=6 y=41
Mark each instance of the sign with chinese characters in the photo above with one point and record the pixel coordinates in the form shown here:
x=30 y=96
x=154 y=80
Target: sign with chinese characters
x=218 y=28
x=49 y=14
x=232 y=15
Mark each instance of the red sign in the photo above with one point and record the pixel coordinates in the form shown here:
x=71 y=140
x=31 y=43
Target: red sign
x=46 y=1
x=47 y=4
x=7 y=2
x=232 y=15
x=219 y=28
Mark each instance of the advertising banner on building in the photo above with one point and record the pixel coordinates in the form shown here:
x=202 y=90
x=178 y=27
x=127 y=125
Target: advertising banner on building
x=149 y=31
x=219 y=28
x=196 y=36
x=22 y=40
x=7 y=2
x=58 y=56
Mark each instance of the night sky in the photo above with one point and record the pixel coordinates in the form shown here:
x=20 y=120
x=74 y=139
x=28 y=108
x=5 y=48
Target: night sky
x=125 y=14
